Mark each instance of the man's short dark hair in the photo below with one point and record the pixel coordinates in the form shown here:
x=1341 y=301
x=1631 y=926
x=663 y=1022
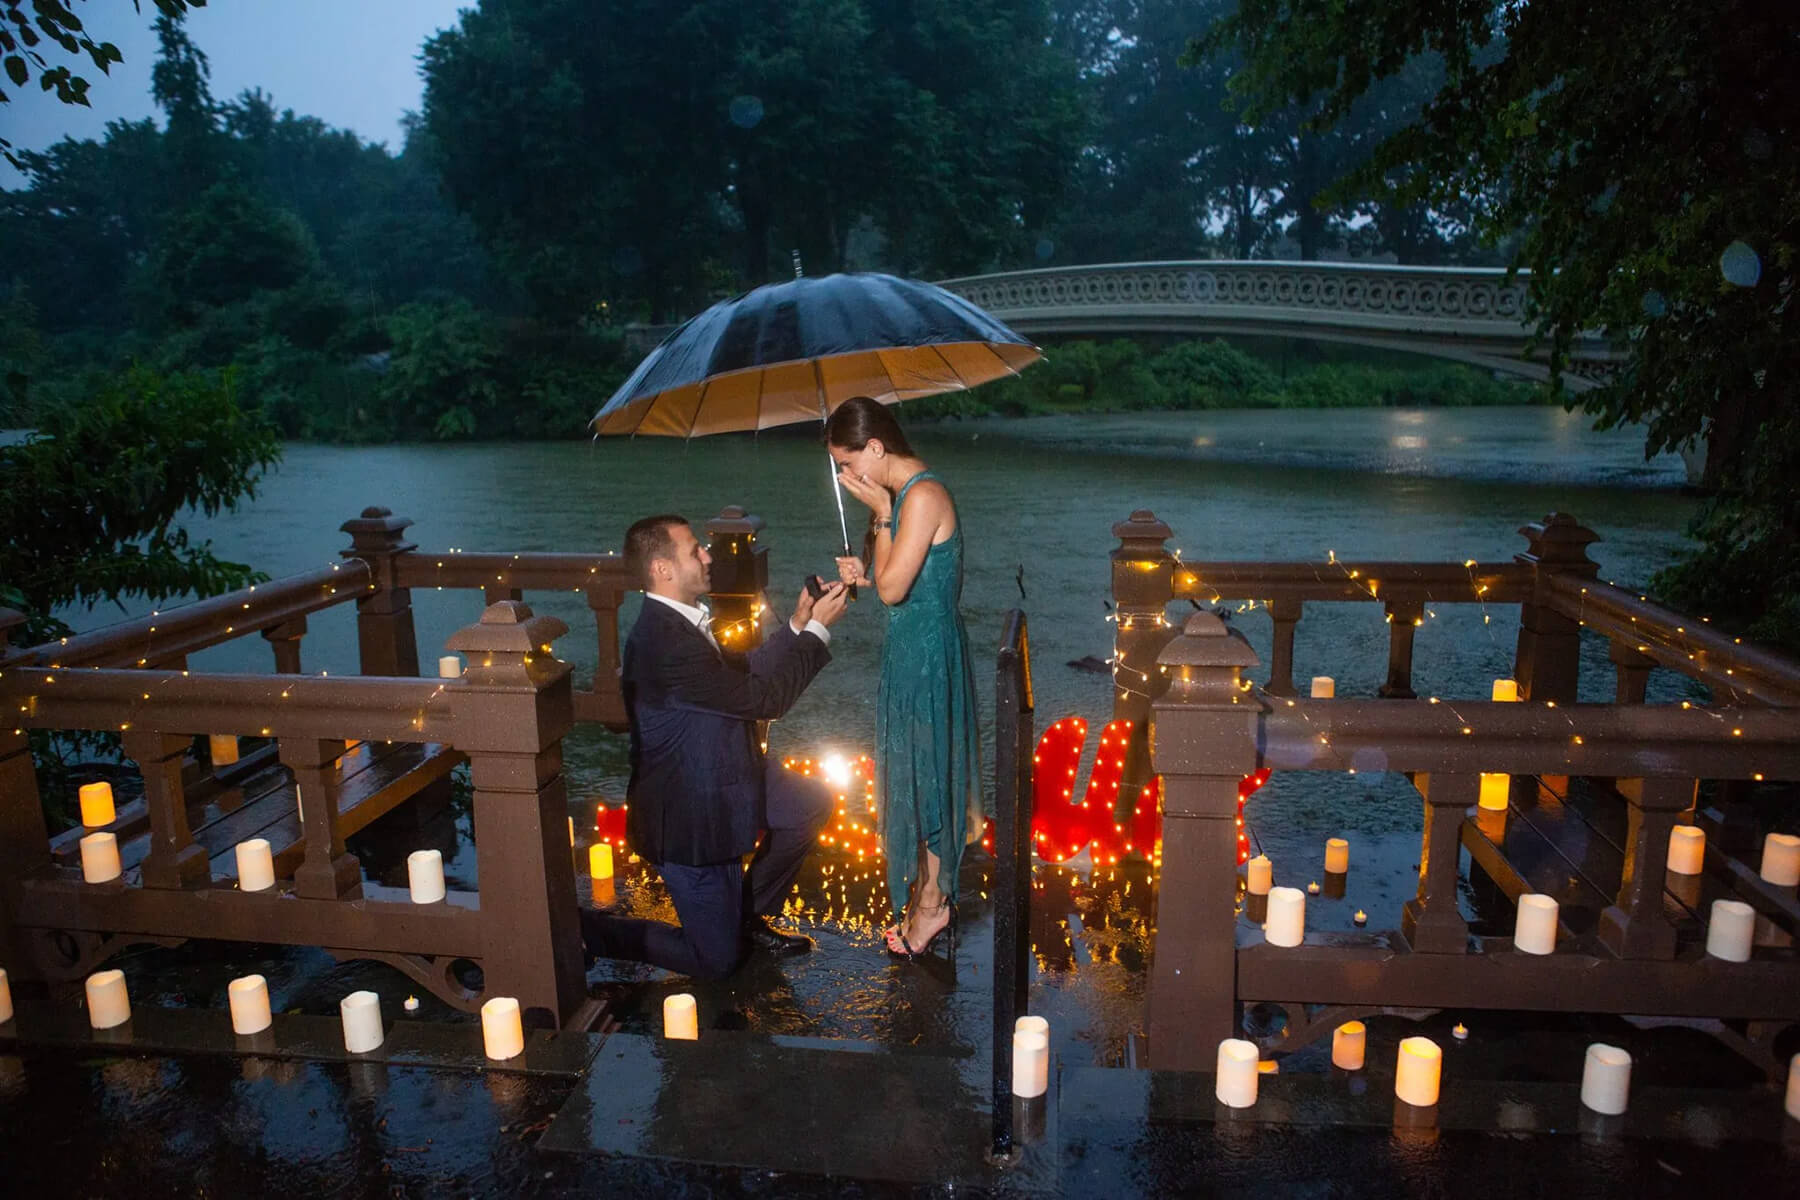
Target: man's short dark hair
x=650 y=539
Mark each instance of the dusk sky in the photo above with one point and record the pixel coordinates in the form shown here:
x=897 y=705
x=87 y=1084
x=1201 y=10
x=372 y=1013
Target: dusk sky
x=351 y=63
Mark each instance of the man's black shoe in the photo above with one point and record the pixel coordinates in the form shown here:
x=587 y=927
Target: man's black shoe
x=763 y=936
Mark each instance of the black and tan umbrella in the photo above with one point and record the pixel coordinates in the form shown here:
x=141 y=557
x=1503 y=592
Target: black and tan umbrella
x=794 y=351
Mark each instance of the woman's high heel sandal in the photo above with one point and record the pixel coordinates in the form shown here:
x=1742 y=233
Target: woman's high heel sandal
x=911 y=952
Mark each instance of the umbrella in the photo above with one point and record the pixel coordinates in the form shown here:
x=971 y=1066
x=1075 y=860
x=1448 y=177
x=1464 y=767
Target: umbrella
x=794 y=351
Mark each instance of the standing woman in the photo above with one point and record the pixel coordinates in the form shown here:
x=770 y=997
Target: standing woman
x=927 y=748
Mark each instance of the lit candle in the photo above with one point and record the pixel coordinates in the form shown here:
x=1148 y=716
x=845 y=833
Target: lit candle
x=681 y=1018
x=255 y=865
x=1032 y=1024
x=99 y=857
x=1729 y=932
x=108 y=1003
x=1031 y=1063
x=1416 y=1074
x=249 y=1000
x=1324 y=687
x=97 y=804
x=1687 y=849
x=502 y=1033
x=1312 y=889
x=224 y=749
x=1606 y=1079
x=1237 y=1074
x=425 y=876
x=571 y=831
x=1793 y=1087
x=1287 y=917
x=600 y=863
x=1349 y=1043
x=1337 y=856
x=1460 y=1032
x=450 y=666
x=1781 y=860
x=6 y=1011
x=1259 y=874
x=360 y=1013
x=1494 y=790
x=1506 y=689
x=1534 y=929
x=1361 y=917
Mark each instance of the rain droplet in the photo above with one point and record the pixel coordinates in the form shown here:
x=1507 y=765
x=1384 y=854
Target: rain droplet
x=746 y=111
x=1045 y=248
x=1653 y=304
x=1740 y=265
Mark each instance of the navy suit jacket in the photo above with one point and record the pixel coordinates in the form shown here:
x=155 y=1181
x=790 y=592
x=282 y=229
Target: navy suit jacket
x=696 y=795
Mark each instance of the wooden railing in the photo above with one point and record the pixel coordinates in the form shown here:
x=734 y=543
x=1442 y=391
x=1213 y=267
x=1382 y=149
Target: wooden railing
x=1212 y=726
x=1013 y=736
x=505 y=717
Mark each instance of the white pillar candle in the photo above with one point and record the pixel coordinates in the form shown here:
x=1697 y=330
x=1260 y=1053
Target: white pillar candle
x=1237 y=1073
x=99 y=857
x=108 y=1003
x=1781 y=860
x=450 y=666
x=224 y=749
x=1729 y=932
x=249 y=1000
x=1324 y=687
x=1032 y=1024
x=1506 y=689
x=255 y=865
x=1793 y=1087
x=681 y=1018
x=360 y=1013
x=6 y=1011
x=1259 y=873
x=1687 y=849
x=1606 y=1079
x=97 y=805
x=1534 y=929
x=1494 y=791
x=1031 y=1064
x=1349 y=1043
x=502 y=1032
x=1287 y=917
x=1416 y=1074
x=425 y=876
x=1337 y=856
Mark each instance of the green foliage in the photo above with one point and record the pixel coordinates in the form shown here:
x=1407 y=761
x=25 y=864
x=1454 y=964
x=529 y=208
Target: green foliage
x=91 y=500
x=1657 y=202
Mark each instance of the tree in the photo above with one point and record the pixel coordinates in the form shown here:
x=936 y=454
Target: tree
x=55 y=21
x=91 y=500
x=1638 y=145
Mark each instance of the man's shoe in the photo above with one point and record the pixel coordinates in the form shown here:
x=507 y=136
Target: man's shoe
x=763 y=936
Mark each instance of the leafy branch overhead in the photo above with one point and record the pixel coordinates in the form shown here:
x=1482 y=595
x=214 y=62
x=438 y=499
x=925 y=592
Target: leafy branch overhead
x=24 y=40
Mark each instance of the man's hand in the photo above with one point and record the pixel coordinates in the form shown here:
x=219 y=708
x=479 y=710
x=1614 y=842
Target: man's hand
x=826 y=609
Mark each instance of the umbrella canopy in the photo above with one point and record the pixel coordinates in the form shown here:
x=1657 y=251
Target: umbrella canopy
x=794 y=351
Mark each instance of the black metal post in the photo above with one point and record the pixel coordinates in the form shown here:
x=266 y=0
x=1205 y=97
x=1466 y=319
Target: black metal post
x=1013 y=738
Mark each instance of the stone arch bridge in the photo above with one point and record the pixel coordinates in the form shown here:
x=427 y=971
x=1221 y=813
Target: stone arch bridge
x=1469 y=314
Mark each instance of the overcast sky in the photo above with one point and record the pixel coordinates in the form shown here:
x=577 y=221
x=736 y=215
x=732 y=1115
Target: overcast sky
x=351 y=63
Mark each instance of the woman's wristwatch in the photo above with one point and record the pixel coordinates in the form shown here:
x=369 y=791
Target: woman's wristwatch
x=881 y=523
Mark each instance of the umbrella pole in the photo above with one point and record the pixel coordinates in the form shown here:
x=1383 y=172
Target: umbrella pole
x=837 y=487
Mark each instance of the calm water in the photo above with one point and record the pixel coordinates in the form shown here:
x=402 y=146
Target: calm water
x=1038 y=498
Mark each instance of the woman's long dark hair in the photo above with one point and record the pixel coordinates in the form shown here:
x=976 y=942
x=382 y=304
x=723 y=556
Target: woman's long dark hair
x=859 y=419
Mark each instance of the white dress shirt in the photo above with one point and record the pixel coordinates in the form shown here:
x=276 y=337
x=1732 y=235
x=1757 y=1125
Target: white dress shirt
x=701 y=619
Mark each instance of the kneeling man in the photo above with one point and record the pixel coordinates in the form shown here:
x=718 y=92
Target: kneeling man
x=701 y=788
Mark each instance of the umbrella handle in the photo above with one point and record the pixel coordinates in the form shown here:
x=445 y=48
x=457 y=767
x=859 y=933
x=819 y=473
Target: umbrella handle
x=837 y=489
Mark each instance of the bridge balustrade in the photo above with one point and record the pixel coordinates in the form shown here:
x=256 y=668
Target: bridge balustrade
x=344 y=751
x=1210 y=726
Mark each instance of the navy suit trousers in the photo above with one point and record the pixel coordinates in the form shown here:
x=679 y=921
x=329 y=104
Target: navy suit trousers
x=713 y=900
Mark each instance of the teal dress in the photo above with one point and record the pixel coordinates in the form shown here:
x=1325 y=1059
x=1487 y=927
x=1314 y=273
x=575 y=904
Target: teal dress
x=927 y=746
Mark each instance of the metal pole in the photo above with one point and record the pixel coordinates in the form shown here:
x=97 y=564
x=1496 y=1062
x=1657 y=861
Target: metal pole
x=1013 y=738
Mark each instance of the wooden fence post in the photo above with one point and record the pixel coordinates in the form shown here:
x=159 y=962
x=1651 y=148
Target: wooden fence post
x=740 y=576
x=1286 y=615
x=175 y=860
x=1548 y=662
x=513 y=706
x=1635 y=926
x=384 y=619
x=1203 y=745
x=1143 y=582
x=1430 y=921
